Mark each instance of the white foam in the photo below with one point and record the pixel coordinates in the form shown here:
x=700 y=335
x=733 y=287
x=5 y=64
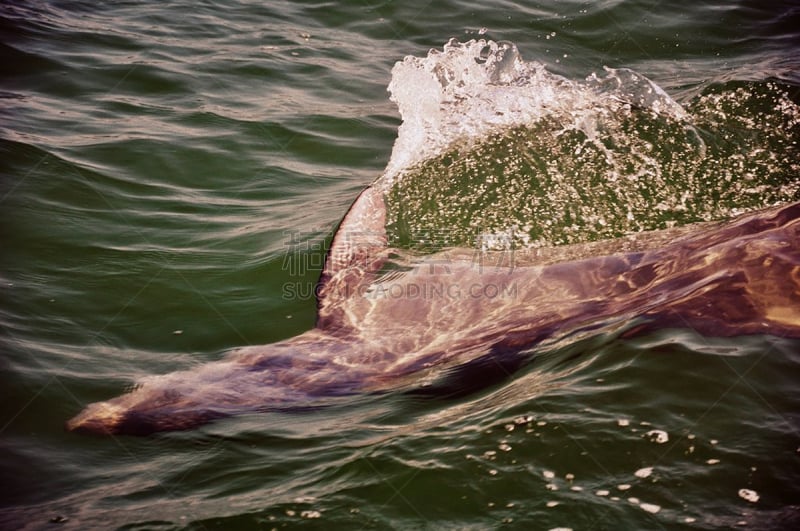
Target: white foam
x=466 y=91
x=463 y=91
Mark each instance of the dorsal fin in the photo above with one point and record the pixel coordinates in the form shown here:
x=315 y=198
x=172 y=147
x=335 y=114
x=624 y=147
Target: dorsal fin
x=356 y=253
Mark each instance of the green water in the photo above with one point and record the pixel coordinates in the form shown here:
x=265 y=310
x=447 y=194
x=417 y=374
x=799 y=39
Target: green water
x=549 y=184
x=166 y=171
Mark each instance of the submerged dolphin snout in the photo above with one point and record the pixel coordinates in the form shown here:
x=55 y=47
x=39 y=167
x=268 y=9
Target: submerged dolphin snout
x=100 y=418
x=144 y=411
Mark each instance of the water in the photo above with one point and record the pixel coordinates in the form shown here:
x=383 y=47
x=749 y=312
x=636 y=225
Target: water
x=542 y=161
x=171 y=176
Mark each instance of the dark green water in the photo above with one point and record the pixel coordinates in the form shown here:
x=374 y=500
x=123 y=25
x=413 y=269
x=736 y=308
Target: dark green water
x=169 y=180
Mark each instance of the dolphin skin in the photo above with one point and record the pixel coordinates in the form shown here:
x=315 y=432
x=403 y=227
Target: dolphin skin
x=379 y=326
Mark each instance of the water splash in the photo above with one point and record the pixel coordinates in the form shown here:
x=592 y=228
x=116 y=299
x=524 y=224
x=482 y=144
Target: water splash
x=495 y=152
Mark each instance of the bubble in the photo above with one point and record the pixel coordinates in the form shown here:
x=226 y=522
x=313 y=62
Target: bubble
x=749 y=495
x=658 y=436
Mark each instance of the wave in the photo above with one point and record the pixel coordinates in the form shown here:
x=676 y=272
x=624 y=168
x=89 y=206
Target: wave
x=496 y=152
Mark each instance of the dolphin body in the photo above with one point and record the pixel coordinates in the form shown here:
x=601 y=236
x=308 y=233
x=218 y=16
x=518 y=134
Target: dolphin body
x=379 y=327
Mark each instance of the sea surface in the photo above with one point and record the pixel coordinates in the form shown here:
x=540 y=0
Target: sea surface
x=171 y=177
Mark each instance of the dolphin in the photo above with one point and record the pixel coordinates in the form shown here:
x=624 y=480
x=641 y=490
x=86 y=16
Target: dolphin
x=385 y=321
